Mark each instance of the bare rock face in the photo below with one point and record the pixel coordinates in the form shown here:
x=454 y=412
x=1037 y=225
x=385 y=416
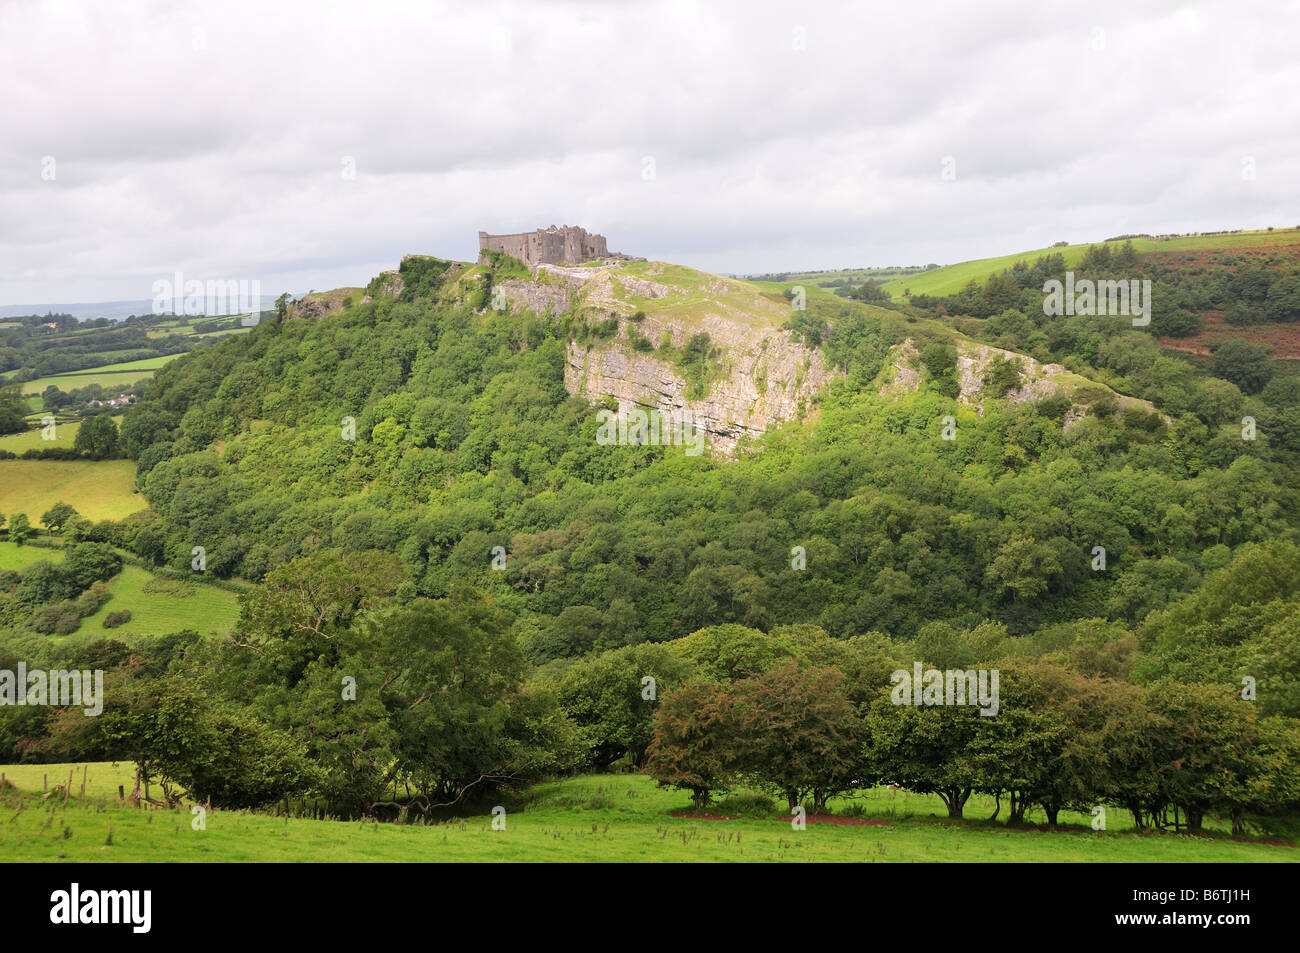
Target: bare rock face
x=762 y=375
x=389 y=284
x=773 y=380
x=905 y=373
x=322 y=304
x=973 y=361
x=551 y=290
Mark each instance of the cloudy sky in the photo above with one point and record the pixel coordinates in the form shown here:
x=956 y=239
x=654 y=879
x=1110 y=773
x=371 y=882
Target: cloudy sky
x=310 y=145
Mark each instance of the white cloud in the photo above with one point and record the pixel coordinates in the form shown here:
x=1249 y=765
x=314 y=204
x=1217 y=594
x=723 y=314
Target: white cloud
x=208 y=138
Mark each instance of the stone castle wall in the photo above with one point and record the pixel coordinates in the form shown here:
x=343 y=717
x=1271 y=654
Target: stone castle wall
x=569 y=245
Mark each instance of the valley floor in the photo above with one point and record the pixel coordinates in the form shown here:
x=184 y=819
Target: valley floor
x=596 y=818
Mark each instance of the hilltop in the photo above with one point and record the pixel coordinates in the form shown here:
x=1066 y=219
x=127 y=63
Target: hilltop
x=415 y=417
x=950 y=279
x=670 y=337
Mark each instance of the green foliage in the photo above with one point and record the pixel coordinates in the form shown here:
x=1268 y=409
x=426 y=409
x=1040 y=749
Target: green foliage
x=57 y=516
x=691 y=749
x=940 y=362
x=1242 y=363
x=13 y=409
x=504 y=266
x=697 y=360
x=97 y=438
x=1002 y=376
x=19 y=528
x=606 y=697
x=798 y=734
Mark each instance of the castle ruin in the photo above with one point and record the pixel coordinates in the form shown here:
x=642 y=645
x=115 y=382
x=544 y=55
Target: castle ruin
x=567 y=245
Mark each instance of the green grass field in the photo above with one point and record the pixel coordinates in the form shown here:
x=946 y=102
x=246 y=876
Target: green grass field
x=124 y=374
x=594 y=818
x=846 y=276
x=99 y=489
x=160 y=605
x=15 y=557
x=952 y=278
x=65 y=435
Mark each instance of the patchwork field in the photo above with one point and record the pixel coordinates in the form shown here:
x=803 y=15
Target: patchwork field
x=124 y=374
x=593 y=818
x=99 y=489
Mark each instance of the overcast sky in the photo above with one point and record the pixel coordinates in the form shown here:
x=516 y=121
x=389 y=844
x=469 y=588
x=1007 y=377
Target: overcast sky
x=216 y=139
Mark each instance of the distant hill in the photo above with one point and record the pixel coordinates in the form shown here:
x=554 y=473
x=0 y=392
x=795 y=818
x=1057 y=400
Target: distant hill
x=88 y=310
x=952 y=278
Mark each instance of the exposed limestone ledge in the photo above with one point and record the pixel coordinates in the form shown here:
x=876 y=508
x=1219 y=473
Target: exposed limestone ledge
x=736 y=405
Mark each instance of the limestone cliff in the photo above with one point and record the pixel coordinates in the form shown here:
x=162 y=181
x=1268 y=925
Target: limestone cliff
x=903 y=374
x=759 y=376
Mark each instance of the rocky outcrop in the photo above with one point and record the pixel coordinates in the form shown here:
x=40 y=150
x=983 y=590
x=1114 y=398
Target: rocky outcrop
x=321 y=304
x=973 y=361
x=772 y=380
x=550 y=292
x=904 y=376
x=761 y=376
x=387 y=284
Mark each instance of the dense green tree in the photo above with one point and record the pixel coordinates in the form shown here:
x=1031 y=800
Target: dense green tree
x=57 y=516
x=609 y=698
x=13 y=409
x=19 y=528
x=1244 y=364
x=97 y=437
x=927 y=749
x=798 y=733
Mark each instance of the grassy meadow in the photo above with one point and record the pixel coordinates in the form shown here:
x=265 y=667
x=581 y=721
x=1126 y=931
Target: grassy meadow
x=160 y=605
x=99 y=489
x=593 y=818
x=952 y=278
x=15 y=557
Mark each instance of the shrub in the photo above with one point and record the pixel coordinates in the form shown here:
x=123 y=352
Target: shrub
x=114 y=619
x=1002 y=376
x=1104 y=407
x=1054 y=407
x=748 y=804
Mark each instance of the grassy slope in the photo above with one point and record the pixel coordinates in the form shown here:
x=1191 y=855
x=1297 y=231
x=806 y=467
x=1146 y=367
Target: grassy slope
x=99 y=489
x=952 y=278
x=595 y=818
x=13 y=556
x=695 y=296
x=160 y=605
